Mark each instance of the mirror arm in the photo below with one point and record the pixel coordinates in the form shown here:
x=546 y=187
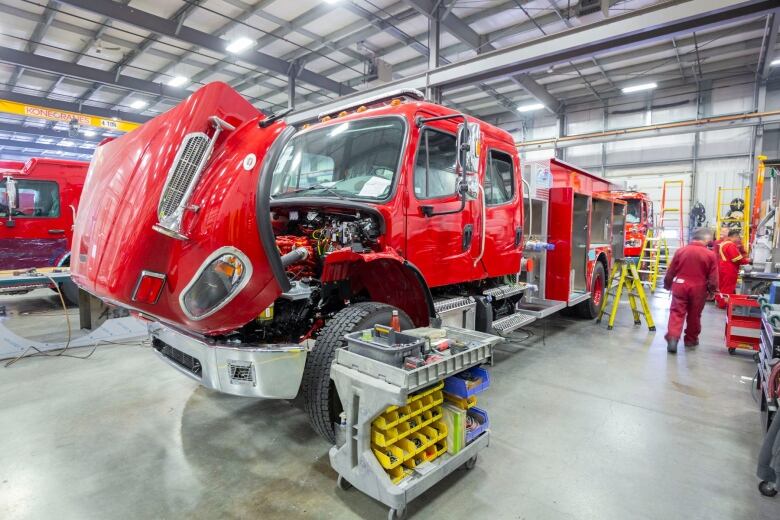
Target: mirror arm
x=429 y=212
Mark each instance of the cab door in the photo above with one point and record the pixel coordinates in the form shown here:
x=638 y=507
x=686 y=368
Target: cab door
x=504 y=212
x=34 y=233
x=442 y=247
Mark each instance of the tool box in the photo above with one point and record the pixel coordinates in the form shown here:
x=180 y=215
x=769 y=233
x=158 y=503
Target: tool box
x=385 y=344
x=743 y=322
x=396 y=434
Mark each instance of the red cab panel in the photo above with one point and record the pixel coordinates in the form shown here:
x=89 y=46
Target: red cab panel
x=38 y=232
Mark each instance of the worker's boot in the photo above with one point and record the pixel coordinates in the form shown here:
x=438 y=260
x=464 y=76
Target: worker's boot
x=692 y=343
x=671 y=345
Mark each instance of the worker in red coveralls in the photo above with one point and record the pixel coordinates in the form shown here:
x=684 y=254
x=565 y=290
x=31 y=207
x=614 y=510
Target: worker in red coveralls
x=692 y=274
x=731 y=255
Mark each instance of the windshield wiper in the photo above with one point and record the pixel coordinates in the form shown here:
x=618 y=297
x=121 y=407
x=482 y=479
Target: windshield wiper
x=314 y=187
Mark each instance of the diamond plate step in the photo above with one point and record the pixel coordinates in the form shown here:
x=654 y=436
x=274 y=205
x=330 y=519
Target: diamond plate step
x=512 y=322
x=453 y=304
x=505 y=291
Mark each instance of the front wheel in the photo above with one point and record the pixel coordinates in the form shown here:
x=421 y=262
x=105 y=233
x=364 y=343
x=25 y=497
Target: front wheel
x=589 y=309
x=320 y=399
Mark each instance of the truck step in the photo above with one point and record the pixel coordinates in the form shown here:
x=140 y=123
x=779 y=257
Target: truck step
x=512 y=322
x=505 y=291
x=453 y=304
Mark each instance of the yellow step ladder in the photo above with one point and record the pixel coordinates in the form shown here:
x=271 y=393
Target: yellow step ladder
x=724 y=209
x=628 y=280
x=670 y=220
x=653 y=249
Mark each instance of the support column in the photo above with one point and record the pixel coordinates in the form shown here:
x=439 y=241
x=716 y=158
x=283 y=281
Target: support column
x=560 y=152
x=433 y=94
x=703 y=99
x=604 y=121
x=292 y=76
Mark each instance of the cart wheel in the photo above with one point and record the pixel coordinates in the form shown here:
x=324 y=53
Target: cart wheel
x=732 y=351
x=471 y=462
x=610 y=327
x=767 y=489
x=343 y=484
x=396 y=514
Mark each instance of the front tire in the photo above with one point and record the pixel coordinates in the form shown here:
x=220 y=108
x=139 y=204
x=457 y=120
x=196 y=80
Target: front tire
x=320 y=399
x=589 y=309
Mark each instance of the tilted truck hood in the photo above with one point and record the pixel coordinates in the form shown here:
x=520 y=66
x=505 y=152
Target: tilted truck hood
x=115 y=240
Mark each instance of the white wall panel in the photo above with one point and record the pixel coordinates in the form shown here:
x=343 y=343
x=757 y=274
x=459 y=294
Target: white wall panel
x=536 y=155
x=723 y=142
x=650 y=149
x=728 y=98
x=544 y=132
x=631 y=114
x=773 y=98
x=585 y=121
x=712 y=174
x=680 y=112
x=585 y=156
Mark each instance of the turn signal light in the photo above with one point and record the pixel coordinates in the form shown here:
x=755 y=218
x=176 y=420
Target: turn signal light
x=149 y=287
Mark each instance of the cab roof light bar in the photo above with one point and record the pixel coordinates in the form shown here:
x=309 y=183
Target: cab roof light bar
x=408 y=93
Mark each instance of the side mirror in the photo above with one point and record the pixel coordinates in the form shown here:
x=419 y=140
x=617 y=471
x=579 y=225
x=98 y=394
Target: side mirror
x=10 y=190
x=468 y=144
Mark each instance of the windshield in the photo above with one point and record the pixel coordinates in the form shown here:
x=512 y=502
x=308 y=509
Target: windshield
x=356 y=159
x=633 y=211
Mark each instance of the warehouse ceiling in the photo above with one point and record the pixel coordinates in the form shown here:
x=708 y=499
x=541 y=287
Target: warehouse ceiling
x=134 y=59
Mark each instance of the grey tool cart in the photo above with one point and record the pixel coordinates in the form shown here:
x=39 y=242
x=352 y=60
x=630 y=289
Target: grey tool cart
x=397 y=438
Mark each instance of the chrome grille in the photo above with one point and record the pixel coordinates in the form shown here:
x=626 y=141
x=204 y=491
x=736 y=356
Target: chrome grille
x=184 y=169
x=185 y=361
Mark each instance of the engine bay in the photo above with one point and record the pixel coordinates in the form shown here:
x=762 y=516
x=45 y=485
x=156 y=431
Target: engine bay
x=301 y=311
x=321 y=233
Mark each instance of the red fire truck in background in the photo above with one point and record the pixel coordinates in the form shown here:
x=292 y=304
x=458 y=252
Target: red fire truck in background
x=38 y=203
x=243 y=240
x=639 y=219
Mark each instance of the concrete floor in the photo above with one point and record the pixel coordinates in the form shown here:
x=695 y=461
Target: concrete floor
x=586 y=424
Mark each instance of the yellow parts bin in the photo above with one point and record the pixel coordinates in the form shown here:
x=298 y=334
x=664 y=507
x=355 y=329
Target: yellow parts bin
x=464 y=403
x=412 y=434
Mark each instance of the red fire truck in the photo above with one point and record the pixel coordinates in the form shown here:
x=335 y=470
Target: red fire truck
x=243 y=240
x=38 y=202
x=639 y=219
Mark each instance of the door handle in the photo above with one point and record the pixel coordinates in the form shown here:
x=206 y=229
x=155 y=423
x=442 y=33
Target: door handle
x=518 y=236
x=56 y=231
x=468 y=234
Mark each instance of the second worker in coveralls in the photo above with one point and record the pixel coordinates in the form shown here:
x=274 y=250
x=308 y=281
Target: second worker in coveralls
x=731 y=255
x=692 y=275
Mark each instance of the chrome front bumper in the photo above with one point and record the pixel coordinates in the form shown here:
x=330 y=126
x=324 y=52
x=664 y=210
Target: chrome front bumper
x=271 y=371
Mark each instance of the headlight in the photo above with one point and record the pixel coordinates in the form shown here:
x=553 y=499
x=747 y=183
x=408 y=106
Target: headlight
x=218 y=281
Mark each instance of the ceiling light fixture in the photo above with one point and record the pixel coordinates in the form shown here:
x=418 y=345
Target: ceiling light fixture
x=775 y=63
x=138 y=104
x=638 y=88
x=530 y=108
x=89 y=133
x=177 y=81
x=239 y=44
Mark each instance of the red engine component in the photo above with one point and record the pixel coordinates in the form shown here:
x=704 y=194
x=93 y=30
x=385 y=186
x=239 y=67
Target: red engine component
x=304 y=268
